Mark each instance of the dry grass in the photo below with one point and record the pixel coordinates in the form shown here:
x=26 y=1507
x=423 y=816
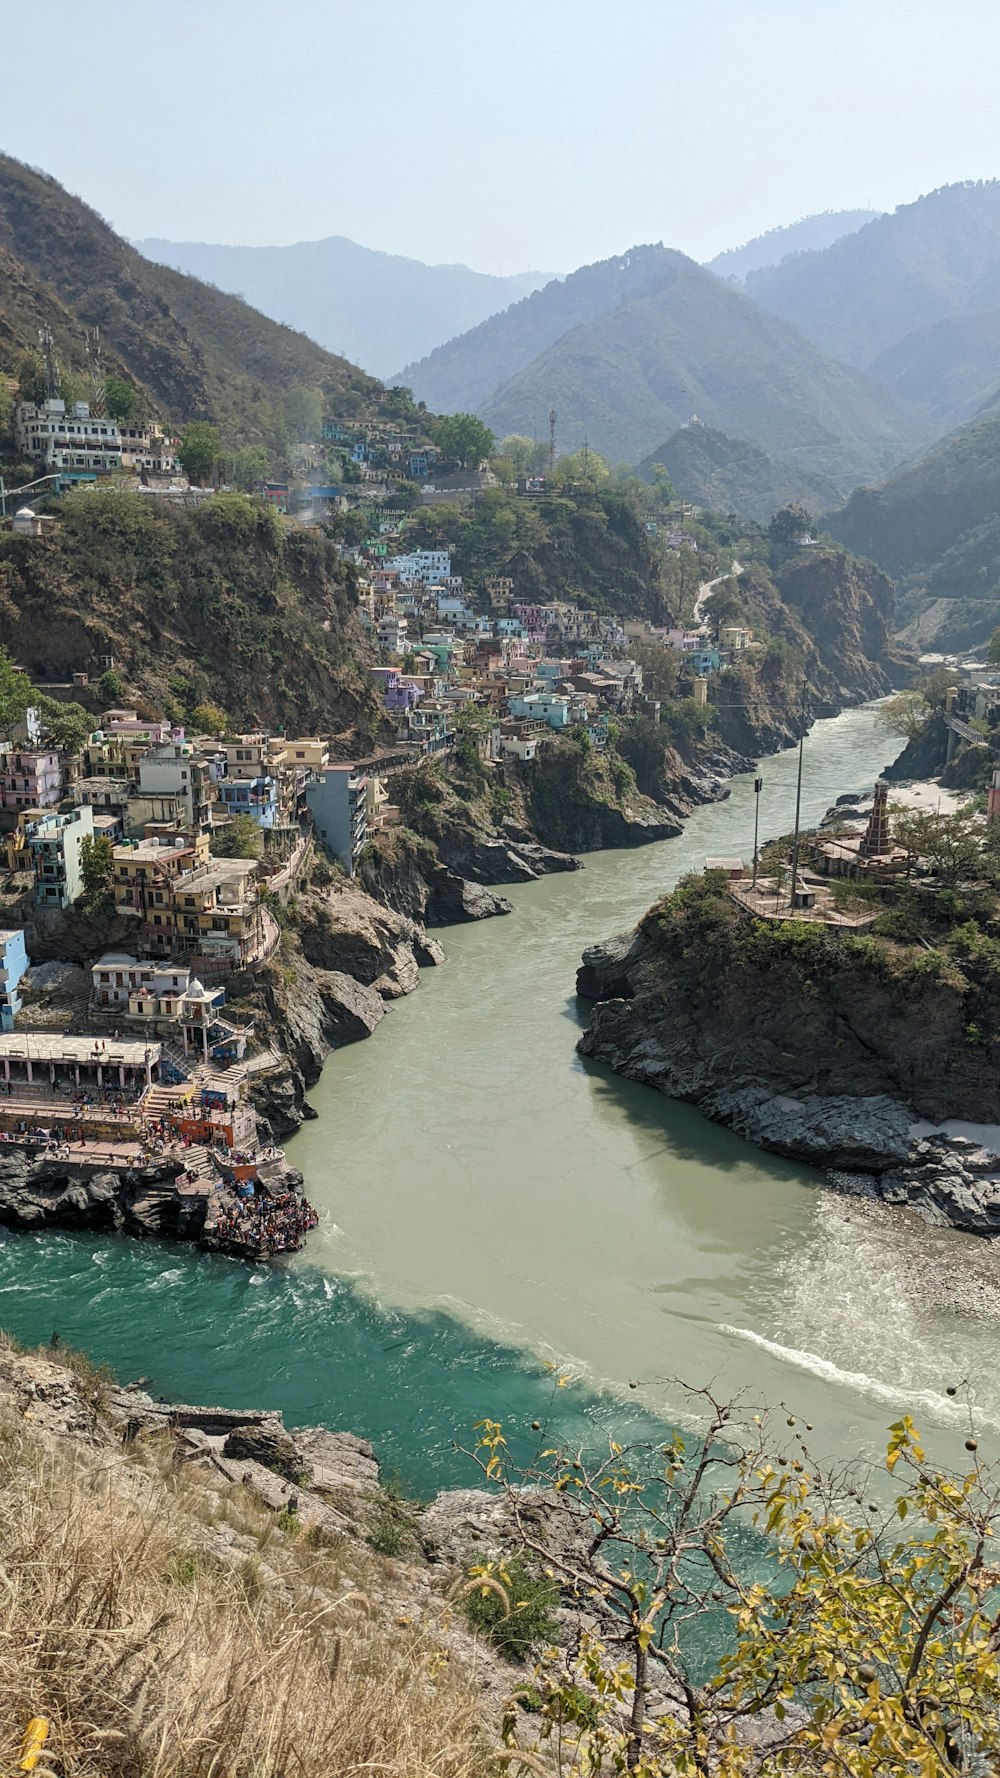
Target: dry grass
x=169 y=1631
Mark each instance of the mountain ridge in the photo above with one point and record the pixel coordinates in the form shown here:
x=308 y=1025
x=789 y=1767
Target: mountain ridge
x=626 y=350
x=195 y=352
x=373 y=307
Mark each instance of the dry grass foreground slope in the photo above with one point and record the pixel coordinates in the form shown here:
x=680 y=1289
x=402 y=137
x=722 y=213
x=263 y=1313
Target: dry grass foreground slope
x=168 y=1627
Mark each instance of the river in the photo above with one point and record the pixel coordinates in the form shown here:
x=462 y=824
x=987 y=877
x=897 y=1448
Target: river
x=490 y=1203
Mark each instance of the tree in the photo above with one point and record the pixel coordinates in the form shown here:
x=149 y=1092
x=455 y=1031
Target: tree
x=240 y=838
x=199 y=451
x=246 y=467
x=97 y=866
x=907 y=714
x=952 y=845
x=786 y=530
x=863 y=1631
x=660 y=668
x=111 y=686
x=122 y=400
x=208 y=719
x=68 y=726
x=527 y=456
x=663 y=487
x=462 y=439
x=303 y=410
x=584 y=466
x=16 y=693
x=31 y=380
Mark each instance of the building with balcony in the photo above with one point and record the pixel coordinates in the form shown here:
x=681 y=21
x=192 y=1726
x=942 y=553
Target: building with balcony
x=176 y=769
x=71 y=441
x=29 y=778
x=56 y=842
x=256 y=797
x=337 y=801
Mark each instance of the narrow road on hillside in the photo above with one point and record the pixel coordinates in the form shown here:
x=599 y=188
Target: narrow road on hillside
x=709 y=586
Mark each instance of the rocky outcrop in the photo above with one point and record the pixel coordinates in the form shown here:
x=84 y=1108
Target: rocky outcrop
x=812 y=1045
x=404 y=873
x=36 y=1193
x=346 y=933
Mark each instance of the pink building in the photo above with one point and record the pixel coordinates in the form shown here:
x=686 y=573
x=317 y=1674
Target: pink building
x=29 y=779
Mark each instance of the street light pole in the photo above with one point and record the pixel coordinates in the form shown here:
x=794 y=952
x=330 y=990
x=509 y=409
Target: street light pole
x=758 y=785
x=798 y=804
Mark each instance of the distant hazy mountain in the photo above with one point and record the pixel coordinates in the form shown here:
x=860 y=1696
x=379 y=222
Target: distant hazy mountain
x=195 y=353
x=935 y=526
x=628 y=350
x=812 y=233
x=378 y=309
x=733 y=475
x=923 y=263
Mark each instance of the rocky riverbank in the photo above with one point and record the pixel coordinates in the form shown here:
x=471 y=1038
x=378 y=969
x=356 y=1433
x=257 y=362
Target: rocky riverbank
x=834 y=1051
x=43 y=1190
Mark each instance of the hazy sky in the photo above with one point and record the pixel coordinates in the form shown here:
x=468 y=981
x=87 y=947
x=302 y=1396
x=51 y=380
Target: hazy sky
x=506 y=133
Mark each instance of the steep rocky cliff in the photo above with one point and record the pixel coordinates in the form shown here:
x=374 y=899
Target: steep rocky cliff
x=850 y=1053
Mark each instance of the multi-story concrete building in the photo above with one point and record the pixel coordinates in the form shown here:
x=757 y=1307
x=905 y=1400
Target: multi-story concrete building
x=176 y=769
x=56 y=842
x=337 y=801
x=29 y=778
x=74 y=441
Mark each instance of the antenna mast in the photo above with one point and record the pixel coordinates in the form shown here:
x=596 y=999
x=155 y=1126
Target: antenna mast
x=48 y=351
x=92 y=336
x=552 y=440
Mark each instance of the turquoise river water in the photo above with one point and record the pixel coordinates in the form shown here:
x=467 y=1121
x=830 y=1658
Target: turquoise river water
x=491 y=1204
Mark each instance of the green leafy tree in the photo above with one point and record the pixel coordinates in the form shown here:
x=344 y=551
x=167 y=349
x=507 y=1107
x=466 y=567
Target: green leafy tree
x=208 y=719
x=67 y=726
x=526 y=456
x=303 y=410
x=111 y=686
x=585 y=467
x=785 y=532
x=867 y=1647
x=97 y=866
x=199 y=451
x=247 y=467
x=240 y=838
x=31 y=385
x=122 y=400
x=16 y=693
x=462 y=439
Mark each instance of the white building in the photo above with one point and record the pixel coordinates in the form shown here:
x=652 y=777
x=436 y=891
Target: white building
x=70 y=441
x=392 y=634
x=423 y=564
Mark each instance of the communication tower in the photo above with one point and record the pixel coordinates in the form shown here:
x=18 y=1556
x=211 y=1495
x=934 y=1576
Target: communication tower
x=552 y=440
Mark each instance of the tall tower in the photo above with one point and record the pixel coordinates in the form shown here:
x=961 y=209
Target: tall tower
x=552 y=440
x=47 y=348
x=92 y=336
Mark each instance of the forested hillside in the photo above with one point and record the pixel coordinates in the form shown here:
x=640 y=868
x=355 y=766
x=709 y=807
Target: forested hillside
x=627 y=351
x=733 y=475
x=223 y=604
x=194 y=352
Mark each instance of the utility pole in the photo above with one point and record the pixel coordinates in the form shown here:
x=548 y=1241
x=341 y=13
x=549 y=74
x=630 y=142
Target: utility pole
x=798 y=802
x=552 y=440
x=758 y=785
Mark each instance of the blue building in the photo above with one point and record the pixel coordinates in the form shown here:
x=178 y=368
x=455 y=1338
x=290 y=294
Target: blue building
x=13 y=963
x=338 y=802
x=256 y=797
